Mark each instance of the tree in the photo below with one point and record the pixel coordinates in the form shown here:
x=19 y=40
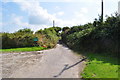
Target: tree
x=26 y=30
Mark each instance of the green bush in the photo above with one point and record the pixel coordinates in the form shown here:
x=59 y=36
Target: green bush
x=95 y=37
x=21 y=38
x=48 y=37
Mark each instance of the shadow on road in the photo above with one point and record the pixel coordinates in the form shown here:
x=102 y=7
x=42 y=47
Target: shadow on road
x=68 y=67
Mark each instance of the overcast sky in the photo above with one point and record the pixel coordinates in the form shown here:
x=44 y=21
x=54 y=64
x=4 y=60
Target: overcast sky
x=39 y=14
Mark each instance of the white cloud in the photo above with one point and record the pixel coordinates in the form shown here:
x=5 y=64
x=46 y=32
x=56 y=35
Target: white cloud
x=16 y=19
x=57 y=8
x=40 y=18
x=86 y=1
x=59 y=13
x=80 y=16
x=37 y=15
x=84 y=10
x=17 y=23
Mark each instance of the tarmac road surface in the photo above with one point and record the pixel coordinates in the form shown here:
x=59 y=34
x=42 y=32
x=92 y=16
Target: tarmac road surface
x=59 y=62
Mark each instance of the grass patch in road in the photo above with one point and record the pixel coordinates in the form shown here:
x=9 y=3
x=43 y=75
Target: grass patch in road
x=23 y=49
x=101 y=66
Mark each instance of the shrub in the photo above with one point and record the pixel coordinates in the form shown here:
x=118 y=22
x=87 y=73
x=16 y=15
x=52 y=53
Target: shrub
x=97 y=37
x=21 y=38
x=48 y=37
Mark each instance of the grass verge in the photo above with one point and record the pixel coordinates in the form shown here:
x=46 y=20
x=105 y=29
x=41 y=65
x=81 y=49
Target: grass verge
x=101 y=66
x=23 y=49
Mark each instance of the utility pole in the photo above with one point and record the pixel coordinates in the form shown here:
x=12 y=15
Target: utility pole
x=102 y=11
x=53 y=23
x=119 y=8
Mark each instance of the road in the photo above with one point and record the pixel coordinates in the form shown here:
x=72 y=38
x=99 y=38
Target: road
x=59 y=62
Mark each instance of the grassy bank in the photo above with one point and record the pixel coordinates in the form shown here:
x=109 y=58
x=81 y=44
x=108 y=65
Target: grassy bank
x=101 y=66
x=22 y=49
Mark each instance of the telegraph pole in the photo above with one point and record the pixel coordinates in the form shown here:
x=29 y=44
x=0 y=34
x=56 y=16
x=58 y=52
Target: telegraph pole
x=102 y=11
x=119 y=8
x=53 y=23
